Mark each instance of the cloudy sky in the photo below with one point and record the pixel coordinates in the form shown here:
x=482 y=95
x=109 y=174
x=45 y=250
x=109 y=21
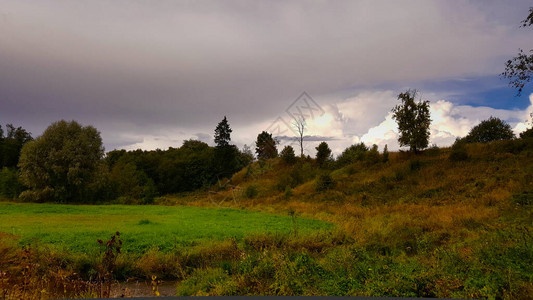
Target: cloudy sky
x=149 y=74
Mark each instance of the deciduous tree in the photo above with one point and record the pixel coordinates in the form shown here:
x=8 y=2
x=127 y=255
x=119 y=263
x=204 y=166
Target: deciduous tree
x=493 y=129
x=413 y=120
x=62 y=162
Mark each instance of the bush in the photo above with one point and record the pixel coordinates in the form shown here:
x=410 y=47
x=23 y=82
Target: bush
x=459 y=151
x=251 y=191
x=39 y=196
x=434 y=150
x=352 y=154
x=415 y=165
x=525 y=198
x=288 y=192
x=324 y=183
x=207 y=282
x=300 y=173
x=373 y=157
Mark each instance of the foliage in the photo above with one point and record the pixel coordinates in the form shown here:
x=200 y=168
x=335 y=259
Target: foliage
x=385 y=154
x=325 y=182
x=527 y=134
x=459 y=152
x=207 y=282
x=107 y=266
x=63 y=160
x=228 y=159
x=373 y=157
x=352 y=154
x=493 y=129
x=266 y=146
x=323 y=154
x=413 y=121
x=287 y=155
x=520 y=68
x=10 y=186
x=11 y=145
x=223 y=133
x=251 y=191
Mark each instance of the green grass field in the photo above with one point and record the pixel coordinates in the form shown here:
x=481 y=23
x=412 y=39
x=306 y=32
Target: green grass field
x=77 y=227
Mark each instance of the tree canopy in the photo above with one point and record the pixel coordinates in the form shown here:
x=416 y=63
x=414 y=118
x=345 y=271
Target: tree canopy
x=493 y=129
x=323 y=154
x=60 y=164
x=413 y=120
x=287 y=154
x=265 y=146
x=11 y=145
x=223 y=133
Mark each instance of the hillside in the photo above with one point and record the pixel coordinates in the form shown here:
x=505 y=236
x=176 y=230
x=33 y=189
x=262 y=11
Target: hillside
x=466 y=225
x=423 y=225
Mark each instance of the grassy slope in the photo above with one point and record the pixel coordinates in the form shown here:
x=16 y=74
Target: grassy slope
x=77 y=227
x=426 y=225
x=420 y=226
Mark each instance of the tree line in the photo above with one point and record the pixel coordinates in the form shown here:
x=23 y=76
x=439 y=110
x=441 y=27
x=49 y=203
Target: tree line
x=67 y=162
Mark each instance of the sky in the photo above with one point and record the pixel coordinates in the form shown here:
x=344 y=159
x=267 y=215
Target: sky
x=150 y=74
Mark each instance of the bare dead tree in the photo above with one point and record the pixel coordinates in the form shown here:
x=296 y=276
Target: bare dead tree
x=300 y=125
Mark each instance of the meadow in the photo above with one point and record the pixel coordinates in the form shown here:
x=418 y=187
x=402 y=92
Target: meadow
x=76 y=228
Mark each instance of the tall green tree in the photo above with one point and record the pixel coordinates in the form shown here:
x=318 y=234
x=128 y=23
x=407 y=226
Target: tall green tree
x=227 y=157
x=323 y=154
x=265 y=146
x=288 y=156
x=62 y=162
x=223 y=133
x=413 y=120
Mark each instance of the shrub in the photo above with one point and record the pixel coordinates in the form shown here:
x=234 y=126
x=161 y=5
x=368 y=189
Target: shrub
x=251 y=191
x=459 y=151
x=372 y=157
x=325 y=182
x=525 y=198
x=415 y=165
x=434 y=150
x=352 y=154
x=300 y=173
x=288 y=192
x=207 y=282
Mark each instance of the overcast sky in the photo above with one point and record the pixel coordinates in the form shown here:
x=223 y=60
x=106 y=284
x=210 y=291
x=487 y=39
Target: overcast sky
x=149 y=74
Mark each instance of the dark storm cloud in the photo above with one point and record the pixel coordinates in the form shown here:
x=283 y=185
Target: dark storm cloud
x=168 y=69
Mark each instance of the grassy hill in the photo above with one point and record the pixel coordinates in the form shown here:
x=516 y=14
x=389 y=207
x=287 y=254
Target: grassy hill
x=416 y=225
